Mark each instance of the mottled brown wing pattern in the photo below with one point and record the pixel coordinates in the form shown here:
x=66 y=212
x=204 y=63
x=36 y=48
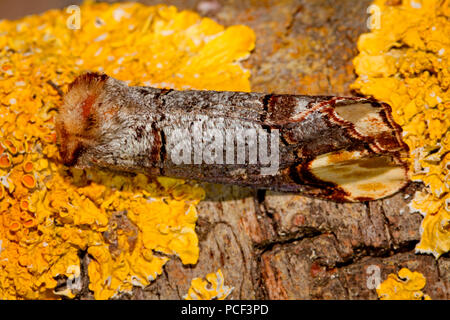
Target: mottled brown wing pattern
x=338 y=148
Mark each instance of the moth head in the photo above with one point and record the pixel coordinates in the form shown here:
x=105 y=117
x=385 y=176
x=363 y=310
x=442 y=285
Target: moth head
x=77 y=119
x=360 y=175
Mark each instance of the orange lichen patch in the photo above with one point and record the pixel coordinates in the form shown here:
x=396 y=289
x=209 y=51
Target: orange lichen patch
x=435 y=232
x=121 y=221
x=10 y=146
x=5 y=161
x=406 y=286
x=14 y=226
x=27 y=166
x=29 y=223
x=405 y=63
x=24 y=204
x=28 y=181
x=212 y=288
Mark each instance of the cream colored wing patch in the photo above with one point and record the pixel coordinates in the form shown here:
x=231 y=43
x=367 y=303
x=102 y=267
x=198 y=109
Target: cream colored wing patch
x=371 y=122
x=360 y=175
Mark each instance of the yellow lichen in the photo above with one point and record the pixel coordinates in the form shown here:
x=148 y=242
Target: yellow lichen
x=405 y=62
x=212 y=288
x=48 y=212
x=406 y=286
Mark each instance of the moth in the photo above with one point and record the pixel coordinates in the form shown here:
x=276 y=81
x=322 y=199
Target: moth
x=337 y=148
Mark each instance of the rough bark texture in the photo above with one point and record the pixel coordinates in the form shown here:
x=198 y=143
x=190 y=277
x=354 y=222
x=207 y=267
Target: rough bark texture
x=287 y=246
